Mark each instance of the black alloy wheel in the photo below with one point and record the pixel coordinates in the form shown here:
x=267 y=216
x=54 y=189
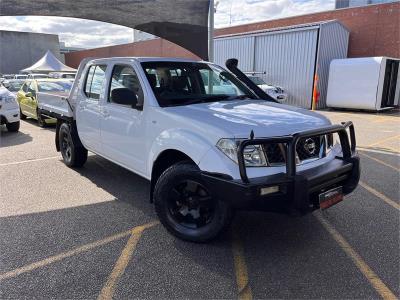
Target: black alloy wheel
x=190 y=204
x=66 y=146
x=186 y=207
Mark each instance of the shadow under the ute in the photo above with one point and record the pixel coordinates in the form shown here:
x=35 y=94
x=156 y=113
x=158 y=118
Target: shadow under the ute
x=12 y=138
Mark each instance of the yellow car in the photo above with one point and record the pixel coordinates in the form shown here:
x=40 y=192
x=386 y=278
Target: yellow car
x=27 y=97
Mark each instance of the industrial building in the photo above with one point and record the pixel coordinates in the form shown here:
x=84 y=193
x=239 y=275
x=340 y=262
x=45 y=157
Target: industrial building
x=289 y=57
x=354 y=3
x=290 y=50
x=19 y=50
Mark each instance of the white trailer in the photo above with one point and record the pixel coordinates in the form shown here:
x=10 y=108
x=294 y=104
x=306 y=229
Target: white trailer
x=370 y=83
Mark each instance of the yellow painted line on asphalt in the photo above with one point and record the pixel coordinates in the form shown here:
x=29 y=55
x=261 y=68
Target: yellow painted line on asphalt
x=52 y=259
x=380 y=195
x=383 y=120
x=380 y=161
x=394 y=153
x=384 y=140
x=373 y=279
x=28 y=161
x=242 y=278
x=109 y=287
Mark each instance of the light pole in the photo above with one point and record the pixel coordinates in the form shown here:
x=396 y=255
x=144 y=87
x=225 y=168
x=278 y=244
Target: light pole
x=211 y=31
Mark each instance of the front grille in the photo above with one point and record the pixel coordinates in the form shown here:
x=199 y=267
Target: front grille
x=307 y=148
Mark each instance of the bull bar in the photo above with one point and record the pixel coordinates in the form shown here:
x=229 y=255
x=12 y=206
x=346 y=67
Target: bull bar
x=298 y=190
x=291 y=141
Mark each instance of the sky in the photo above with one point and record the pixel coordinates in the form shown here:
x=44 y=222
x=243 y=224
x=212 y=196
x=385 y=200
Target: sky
x=79 y=33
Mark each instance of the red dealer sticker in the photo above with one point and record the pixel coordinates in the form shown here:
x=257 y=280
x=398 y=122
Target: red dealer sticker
x=330 y=197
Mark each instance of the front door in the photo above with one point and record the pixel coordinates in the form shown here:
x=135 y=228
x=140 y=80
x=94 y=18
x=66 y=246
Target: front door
x=88 y=108
x=122 y=122
x=25 y=100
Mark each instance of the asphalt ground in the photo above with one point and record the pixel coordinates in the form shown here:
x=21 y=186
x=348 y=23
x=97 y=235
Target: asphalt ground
x=92 y=233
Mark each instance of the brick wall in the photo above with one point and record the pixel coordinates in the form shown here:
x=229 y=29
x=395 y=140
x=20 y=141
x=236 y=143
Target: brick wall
x=374 y=31
x=153 y=48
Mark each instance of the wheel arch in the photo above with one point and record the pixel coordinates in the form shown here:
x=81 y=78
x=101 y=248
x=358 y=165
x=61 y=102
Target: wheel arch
x=163 y=161
x=74 y=133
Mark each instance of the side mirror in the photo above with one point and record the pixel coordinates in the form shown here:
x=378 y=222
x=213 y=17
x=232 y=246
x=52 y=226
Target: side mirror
x=124 y=96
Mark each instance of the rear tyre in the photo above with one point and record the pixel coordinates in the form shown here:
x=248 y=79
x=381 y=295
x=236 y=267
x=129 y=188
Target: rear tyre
x=41 y=121
x=21 y=115
x=13 y=127
x=185 y=206
x=73 y=156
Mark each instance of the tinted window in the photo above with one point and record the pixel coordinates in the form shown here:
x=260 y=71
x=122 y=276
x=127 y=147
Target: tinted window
x=257 y=80
x=89 y=78
x=94 y=81
x=124 y=77
x=32 y=88
x=25 y=87
x=184 y=83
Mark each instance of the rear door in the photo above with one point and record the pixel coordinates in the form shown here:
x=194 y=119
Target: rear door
x=123 y=124
x=88 y=111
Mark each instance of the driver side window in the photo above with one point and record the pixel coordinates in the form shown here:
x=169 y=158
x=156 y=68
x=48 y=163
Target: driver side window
x=32 y=89
x=125 y=88
x=25 y=87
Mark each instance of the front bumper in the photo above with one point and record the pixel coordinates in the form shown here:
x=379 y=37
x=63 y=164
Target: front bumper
x=298 y=191
x=9 y=115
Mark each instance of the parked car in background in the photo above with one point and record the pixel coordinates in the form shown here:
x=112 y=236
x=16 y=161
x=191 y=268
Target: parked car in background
x=9 y=110
x=14 y=85
x=37 y=76
x=20 y=76
x=275 y=92
x=6 y=77
x=28 y=101
x=66 y=75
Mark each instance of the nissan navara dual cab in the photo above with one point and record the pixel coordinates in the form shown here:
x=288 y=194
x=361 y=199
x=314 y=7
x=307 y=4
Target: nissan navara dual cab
x=208 y=139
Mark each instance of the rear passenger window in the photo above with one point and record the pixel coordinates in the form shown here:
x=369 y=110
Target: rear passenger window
x=94 y=81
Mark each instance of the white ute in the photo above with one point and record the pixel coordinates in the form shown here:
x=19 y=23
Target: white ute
x=9 y=110
x=208 y=140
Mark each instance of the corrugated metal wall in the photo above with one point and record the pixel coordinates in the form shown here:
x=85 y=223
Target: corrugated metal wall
x=288 y=57
x=241 y=48
x=333 y=43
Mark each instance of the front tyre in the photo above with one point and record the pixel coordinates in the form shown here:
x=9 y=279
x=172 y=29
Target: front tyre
x=73 y=156
x=185 y=206
x=13 y=127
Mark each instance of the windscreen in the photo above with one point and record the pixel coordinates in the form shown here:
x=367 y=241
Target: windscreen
x=14 y=86
x=257 y=80
x=54 y=86
x=184 y=83
x=40 y=76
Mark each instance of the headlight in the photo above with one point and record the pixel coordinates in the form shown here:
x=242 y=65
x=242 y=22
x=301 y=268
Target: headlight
x=253 y=154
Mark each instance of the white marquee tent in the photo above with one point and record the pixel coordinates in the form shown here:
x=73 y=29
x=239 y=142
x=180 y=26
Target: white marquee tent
x=48 y=63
